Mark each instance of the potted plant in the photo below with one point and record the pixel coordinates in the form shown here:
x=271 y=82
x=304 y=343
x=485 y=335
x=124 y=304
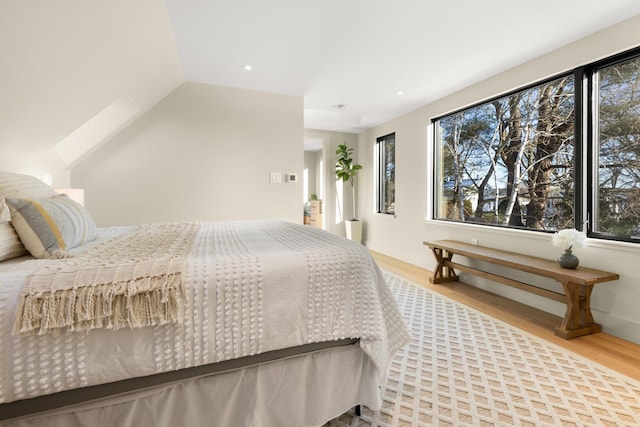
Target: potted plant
x=346 y=170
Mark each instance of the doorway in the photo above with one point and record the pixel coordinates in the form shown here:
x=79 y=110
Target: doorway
x=313 y=182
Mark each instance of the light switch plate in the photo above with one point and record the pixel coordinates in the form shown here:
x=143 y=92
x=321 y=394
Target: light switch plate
x=275 y=177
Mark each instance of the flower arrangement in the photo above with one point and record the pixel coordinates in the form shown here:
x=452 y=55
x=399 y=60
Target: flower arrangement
x=568 y=239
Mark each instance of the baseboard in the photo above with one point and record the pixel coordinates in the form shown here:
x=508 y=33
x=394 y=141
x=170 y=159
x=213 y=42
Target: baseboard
x=421 y=258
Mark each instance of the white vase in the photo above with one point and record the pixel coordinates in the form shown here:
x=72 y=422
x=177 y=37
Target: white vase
x=354 y=230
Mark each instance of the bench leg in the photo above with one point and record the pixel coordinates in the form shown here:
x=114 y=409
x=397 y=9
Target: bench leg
x=442 y=272
x=578 y=320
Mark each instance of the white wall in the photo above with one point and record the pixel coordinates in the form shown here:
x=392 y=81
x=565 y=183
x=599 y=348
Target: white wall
x=614 y=304
x=203 y=153
x=65 y=61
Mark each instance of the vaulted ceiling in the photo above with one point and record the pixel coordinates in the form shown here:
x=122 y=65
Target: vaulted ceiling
x=350 y=59
x=73 y=72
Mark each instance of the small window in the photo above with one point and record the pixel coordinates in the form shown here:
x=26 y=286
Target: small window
x=386 y=154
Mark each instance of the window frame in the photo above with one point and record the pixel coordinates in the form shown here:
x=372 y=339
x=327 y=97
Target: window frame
x=381 y=172
x=592 y=162
x=585 y=157
x=577 y=151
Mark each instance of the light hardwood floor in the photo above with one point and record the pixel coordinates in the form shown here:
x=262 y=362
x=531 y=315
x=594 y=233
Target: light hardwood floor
x=618 y=354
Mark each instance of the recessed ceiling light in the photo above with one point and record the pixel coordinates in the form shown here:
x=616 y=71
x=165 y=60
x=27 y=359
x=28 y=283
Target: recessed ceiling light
x=248 y=67
x=399 y=92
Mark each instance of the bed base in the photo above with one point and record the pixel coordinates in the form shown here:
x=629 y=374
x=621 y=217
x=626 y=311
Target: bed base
x=41 y=404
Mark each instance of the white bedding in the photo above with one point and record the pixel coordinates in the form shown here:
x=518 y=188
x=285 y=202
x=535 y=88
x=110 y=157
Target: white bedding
x=251 y=287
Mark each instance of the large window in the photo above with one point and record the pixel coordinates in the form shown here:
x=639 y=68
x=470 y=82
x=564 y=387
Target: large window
x=386 y=155
x=532 y=159
x=509 y=161
x=617 y=150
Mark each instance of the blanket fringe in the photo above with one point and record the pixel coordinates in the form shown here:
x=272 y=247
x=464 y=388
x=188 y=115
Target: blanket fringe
x=140 y=302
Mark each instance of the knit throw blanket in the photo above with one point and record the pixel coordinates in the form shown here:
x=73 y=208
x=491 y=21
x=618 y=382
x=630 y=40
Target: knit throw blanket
x=131 y=281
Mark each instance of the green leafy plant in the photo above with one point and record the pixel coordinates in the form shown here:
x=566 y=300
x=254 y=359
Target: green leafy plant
x=347 y=169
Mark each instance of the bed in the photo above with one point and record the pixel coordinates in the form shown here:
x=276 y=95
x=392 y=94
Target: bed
x=260 y=323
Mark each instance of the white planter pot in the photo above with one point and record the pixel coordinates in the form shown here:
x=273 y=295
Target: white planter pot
x=354 y=230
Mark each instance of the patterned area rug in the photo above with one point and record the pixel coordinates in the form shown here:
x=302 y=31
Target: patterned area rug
x=465 y=368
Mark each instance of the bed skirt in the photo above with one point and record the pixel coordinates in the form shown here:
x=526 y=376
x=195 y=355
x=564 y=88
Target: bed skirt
x=301 y=390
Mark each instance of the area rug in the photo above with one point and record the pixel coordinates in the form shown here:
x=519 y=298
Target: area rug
x=465 y=368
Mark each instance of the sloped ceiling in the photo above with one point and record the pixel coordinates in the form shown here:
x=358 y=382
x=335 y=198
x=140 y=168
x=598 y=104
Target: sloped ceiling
x=65 y=61
x=358 y=54
x=68 y=64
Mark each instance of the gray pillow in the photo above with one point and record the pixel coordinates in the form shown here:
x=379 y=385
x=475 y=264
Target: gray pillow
x=49 y=227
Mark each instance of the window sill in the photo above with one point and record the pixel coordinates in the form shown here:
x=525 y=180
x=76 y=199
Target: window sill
x=609 y=245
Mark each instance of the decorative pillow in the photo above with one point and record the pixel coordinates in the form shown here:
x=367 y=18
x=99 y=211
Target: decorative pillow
x=49 y=227
x=16 y=185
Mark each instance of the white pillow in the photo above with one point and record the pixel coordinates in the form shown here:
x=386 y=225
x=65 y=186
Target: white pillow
x=10 y=244
x=16 y=185
x=19 y=185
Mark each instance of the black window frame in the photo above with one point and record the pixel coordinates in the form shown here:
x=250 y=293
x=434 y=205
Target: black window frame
x=592 y=160
x=382 y=167
x=585 y=158
x=577 y=150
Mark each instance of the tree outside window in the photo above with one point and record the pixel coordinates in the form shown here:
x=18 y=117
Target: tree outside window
x=617 y=134
x=386 y=154
x=510 y=161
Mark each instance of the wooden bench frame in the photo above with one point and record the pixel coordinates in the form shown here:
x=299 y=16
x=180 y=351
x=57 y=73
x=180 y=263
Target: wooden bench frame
x=577 y=284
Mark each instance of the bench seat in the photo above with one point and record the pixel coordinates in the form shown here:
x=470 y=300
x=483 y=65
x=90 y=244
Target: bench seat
x=577 y=284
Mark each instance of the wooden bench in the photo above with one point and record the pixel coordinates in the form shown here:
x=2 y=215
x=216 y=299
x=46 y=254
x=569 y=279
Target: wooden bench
x=578 y=284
